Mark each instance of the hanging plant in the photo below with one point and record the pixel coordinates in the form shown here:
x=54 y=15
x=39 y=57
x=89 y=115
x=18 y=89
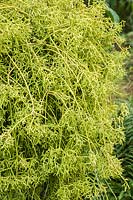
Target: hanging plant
x=58 y=124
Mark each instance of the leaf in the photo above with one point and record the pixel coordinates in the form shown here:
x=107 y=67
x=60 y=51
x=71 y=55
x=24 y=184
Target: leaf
x=113 y=15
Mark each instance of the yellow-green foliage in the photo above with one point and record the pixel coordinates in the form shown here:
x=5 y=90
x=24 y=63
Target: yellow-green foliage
x=58 y=125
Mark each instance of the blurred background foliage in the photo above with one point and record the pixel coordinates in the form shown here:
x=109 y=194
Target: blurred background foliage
x=119 y=10
x=123 y=189
x=122 y=10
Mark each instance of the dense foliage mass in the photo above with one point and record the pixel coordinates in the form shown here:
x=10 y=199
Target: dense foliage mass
x=59 y=66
